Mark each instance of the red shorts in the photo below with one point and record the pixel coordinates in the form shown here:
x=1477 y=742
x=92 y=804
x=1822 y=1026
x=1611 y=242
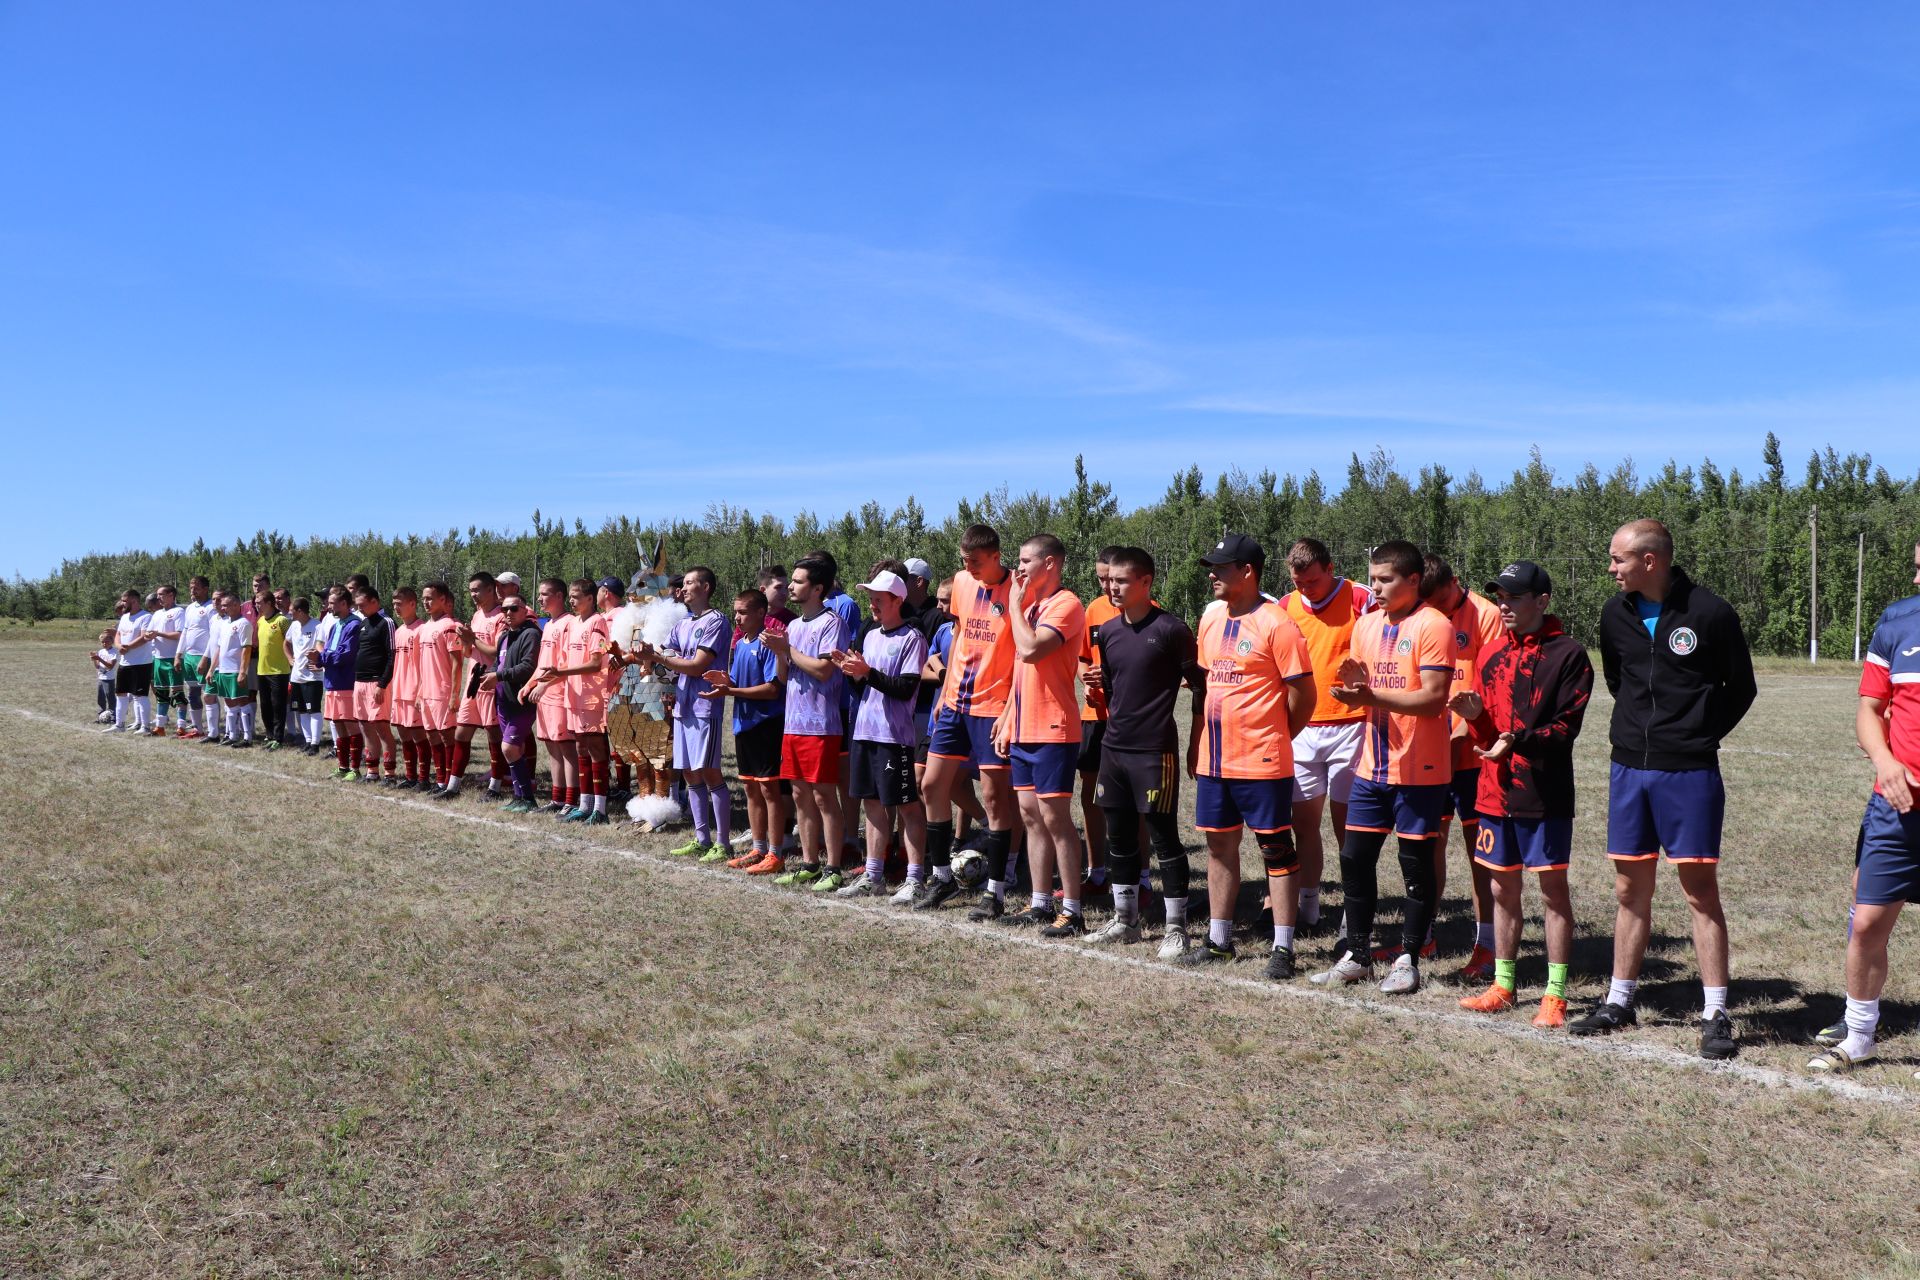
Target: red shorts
x=337 y=704
x=810 y=757
x=550 y=719
x=478 y=711
x=436 y=715
x=369 y=700
x=403 y=712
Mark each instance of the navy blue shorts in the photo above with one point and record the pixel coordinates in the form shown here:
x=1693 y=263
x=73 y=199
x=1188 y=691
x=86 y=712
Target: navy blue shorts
x=1044 y=768
x=1887 y=855
x=1228 y=804
x=1679 y=812
x=1410 y=812
x=1538 y=844
x=954 y=735
x=1463 y=793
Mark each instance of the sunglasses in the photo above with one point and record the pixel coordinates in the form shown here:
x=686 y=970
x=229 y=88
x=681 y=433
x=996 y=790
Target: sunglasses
x=513 y=608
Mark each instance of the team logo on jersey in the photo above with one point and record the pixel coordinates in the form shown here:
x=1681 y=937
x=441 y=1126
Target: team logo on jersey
x=1245 y=646
x=1683 y=641
x=1404 y=648
x=1460 y=638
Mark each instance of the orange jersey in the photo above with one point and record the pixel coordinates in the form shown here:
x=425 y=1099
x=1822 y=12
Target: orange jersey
x=487 y=626
x=1044 y=706
x=1249 y=660
x=1101 y=609
x=406 y=661
x=440 y=660
x=553 y=655
x=1399 y=749
x=1477 y=632
x=1329 y=635
x=587 y=639
x=980 y=667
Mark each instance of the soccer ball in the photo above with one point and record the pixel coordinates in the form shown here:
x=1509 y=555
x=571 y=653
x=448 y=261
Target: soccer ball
x=970 y=867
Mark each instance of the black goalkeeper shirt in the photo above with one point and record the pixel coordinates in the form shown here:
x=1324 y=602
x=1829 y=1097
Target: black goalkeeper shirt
x=1144 y=665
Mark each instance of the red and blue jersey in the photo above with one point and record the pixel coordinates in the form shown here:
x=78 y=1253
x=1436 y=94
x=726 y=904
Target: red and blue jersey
x=1891 y=674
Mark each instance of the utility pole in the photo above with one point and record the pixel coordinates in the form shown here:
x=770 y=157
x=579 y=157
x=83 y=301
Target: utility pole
x=1813 y=587
x=1859 y=581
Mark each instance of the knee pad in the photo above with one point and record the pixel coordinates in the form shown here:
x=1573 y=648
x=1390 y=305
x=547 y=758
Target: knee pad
x=1277 y=851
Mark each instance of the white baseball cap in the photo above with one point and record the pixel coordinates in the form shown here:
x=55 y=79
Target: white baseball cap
x=888 y=581
x=918 y=568
x=509 y=577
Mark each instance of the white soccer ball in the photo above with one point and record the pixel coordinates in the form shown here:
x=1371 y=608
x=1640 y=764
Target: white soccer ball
x=970 y=867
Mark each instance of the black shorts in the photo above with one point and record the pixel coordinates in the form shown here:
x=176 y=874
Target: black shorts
x=756 y=752
x=134 y=681
x=305 y=696
x=1143 y=781
x=1093 y=733
x=882 y=771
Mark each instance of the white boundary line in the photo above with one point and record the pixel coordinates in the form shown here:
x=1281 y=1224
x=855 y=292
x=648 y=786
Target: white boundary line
x=1611 y=1047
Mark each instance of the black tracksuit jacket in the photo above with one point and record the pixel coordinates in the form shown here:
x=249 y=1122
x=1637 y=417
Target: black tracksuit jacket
x=1680 y=691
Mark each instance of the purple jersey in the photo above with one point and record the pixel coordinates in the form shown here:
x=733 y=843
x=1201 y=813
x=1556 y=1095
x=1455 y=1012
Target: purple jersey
x=709 y=631
x=813 y=706
x=882 y=717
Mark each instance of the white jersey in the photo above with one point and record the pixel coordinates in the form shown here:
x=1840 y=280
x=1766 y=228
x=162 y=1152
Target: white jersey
x=302 y=638
x=174 y=619
x=196 y=631
x=231 y=636
x=134 y=651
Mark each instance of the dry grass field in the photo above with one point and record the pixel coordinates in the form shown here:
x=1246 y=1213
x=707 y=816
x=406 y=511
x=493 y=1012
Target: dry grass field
x=255 y=1023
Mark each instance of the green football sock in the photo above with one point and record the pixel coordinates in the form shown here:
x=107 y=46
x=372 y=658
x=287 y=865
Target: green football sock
x=1503 y=974
x=1557 y=980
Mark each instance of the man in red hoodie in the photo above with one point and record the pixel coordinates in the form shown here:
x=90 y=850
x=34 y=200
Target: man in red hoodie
x=1529 y=696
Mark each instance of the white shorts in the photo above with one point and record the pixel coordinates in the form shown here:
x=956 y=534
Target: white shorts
x=1323 y=757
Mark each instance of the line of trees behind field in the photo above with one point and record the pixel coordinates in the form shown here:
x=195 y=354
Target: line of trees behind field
x=1748 y=539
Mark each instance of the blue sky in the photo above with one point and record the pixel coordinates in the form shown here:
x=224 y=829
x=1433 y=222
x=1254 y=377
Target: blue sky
x=419 y=266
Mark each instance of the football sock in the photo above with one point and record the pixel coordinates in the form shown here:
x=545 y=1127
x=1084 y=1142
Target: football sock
x=876 y=869
x=702 y=813
x=943 y=873
x=1863 y=1016
x=1556 y=980
x=1620 y=991
x=496 y=758
x=1176 y=910
x=122 y=705
x=1716 y=1001
x=1039 y=900
x=1220 y=932
x=1283 y=937
x=1483 y=935
x=1310 y=906
x=1070 y=904
x=940 y=844
x=340 y=751
x=1097 y=877
x=1126 y=903
x=1503 y=974
x=356 y=751
x=721 y=801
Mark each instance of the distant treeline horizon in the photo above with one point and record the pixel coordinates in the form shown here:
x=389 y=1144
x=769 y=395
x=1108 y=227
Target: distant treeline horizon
x=1751 y=540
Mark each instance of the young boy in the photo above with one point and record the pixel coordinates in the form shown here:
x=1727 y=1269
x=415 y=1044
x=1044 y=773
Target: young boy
x=756 y=676
x=305 y=691
x=810 y=749
x=105 y=659
x=886 y=672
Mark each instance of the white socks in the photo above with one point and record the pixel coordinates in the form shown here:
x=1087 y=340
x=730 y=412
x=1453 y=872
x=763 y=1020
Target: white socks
x=1863 y=1016
x=1620 y=991
x=1176 y=910
x=1126 y=903
x=1220 y=932
x=1283 y=937
x=1310 y=906
x=122 y=704
x=1716 y=1001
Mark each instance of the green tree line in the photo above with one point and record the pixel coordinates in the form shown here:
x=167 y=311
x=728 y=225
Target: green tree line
x=1747 y=538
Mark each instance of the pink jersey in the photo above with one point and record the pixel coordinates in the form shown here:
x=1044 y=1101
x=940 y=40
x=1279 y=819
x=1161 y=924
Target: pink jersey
x=587 y=639
x=440 y=660
x=553 y=654
x=406 y=661
x=488 y=627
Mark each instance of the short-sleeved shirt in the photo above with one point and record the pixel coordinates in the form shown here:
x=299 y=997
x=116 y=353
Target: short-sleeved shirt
x=1249 y=662
x=488 y=626
x=406 y=661
x=980 y=670
x=1045 y=707
x=230 y=639
x=196 y=628
x=1100 y=610
x=813 y=706
x=272 y=659
x=1144 y=665
x=304 y=637
x=108 y=661
x=586 y=640
x=134 y=651
x=1477 y=631
x=704 y=631
x=1327 y=626
x=753 y=663
x=174 y=619
x=1891 y=674
x=443 y=657
x=1398 y=749
x=880 y=718
x=553 y=655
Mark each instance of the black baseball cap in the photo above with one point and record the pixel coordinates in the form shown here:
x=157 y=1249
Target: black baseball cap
x=1522 y=578
x=614 y=585
x=1236 y=548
